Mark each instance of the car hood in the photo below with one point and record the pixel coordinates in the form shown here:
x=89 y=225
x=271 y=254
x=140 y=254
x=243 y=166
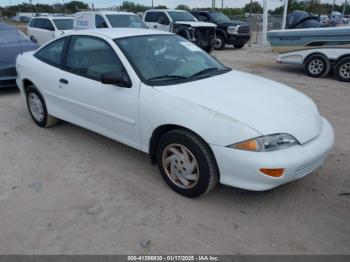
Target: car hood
x=9 y=52
x=196 y=24
x=232 y=23
x=264 y=105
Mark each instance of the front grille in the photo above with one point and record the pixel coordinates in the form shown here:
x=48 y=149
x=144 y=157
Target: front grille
x=243 y=29
x=204 y=33
x=308 y=168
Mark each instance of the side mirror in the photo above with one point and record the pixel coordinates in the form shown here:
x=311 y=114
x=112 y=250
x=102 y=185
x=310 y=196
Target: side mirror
x=117 y=78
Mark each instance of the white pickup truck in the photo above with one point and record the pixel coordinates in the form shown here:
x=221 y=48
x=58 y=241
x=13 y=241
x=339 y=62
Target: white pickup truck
x=184 y=24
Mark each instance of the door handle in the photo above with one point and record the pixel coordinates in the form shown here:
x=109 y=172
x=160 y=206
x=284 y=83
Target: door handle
x=155 y=26
x=64 y=81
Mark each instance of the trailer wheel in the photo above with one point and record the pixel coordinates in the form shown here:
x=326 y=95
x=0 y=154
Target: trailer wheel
x=317 y=65
x=342 y=69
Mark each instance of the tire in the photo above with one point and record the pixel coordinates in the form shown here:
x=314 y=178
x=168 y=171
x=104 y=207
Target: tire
x=342 y=70
x=37 y=108
x=238 y=46
x=207 y=49
x=317 y=66
x=220 y=42
x=190 y=159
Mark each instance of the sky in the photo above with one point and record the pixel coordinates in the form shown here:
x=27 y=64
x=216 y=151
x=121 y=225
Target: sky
x=168 y=3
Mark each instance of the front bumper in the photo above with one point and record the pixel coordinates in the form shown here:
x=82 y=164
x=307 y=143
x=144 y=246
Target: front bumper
x=7 y=81
x=239 y=168
x=8 y=76
x=237 y=39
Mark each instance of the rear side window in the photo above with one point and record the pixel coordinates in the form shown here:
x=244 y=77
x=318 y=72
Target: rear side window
x=91 y=57
x=100 y=22
x=32 y=23
x=44 y=23
x=152 y=17
x=52 y=53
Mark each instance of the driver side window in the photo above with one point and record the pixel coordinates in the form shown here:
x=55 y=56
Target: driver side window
x=91 y=57
x=100 y=22
x=163 y=19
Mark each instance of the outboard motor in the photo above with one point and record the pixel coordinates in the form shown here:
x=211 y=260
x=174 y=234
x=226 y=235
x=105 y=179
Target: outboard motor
x=300 y=19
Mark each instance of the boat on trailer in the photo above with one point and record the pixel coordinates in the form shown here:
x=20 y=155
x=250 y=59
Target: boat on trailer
x=290 y=40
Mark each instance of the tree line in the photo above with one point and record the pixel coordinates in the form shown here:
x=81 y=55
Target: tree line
x=313 y=6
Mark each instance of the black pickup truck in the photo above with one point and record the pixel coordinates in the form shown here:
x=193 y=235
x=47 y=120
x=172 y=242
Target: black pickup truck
x=228 y=32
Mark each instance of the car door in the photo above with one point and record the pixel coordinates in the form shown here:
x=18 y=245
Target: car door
x=44 y=30
x=106 y=109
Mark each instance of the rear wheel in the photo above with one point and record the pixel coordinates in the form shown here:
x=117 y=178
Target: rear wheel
x=342 y=69
x=317 y=66
x=220 y=42
x=37 y=108
x=186 y=163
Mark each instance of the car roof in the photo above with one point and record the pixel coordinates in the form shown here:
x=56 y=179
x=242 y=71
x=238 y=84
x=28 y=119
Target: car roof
x=114 y=33
x=105 y=12
x=53 y=17
x=166 y=10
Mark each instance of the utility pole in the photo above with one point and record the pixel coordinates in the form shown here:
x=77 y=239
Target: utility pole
x=264 y=29
x=344 y=7
x=285 y=10
x=152 y=4
x=222 y=4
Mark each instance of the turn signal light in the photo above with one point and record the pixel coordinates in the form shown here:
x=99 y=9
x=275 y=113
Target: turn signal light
x=250 y=145
x=274 y=172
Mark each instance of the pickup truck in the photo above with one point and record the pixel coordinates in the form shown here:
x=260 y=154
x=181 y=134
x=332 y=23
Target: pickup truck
x=229 y=32
x=182 y=23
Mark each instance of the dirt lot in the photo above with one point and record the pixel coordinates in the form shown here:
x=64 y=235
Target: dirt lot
x=68 y=190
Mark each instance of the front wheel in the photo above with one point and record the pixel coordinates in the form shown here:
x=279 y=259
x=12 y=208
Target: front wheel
x=186 y=163
x=220 y=42
x=317 y=66
x=37 y=108
x=342 y=69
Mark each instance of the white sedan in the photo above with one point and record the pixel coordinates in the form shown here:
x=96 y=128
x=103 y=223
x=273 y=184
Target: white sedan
x=201 y=122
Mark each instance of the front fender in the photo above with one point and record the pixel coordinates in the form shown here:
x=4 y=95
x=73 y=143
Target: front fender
x=157 y=109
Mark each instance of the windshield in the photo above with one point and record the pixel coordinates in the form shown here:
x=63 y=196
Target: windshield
x=167 y=59
x=219 y=17
x=12 y=37
x=132 y=21
x=63 y=24
x=181 y=16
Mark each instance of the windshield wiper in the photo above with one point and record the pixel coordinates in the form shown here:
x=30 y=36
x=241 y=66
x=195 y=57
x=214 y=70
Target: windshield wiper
x=210 y=69
x=167 y=77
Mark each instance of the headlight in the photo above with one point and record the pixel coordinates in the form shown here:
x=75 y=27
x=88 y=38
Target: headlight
x=267 y=143
x=232 y=29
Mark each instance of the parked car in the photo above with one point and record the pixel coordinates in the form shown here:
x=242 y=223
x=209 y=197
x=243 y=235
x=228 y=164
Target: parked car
x=107 y=19
x=43 y=29
x=12 y=42
x=201 y=122
x=228 y=32
x=184 y=24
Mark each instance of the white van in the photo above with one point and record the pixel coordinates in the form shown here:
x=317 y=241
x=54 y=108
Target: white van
x=42 y=29
x=107 y=19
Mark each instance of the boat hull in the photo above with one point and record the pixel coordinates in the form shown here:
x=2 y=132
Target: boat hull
x=283 y=41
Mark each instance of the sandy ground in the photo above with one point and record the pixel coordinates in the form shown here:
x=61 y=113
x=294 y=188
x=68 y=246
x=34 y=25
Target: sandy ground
x=66 y=190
